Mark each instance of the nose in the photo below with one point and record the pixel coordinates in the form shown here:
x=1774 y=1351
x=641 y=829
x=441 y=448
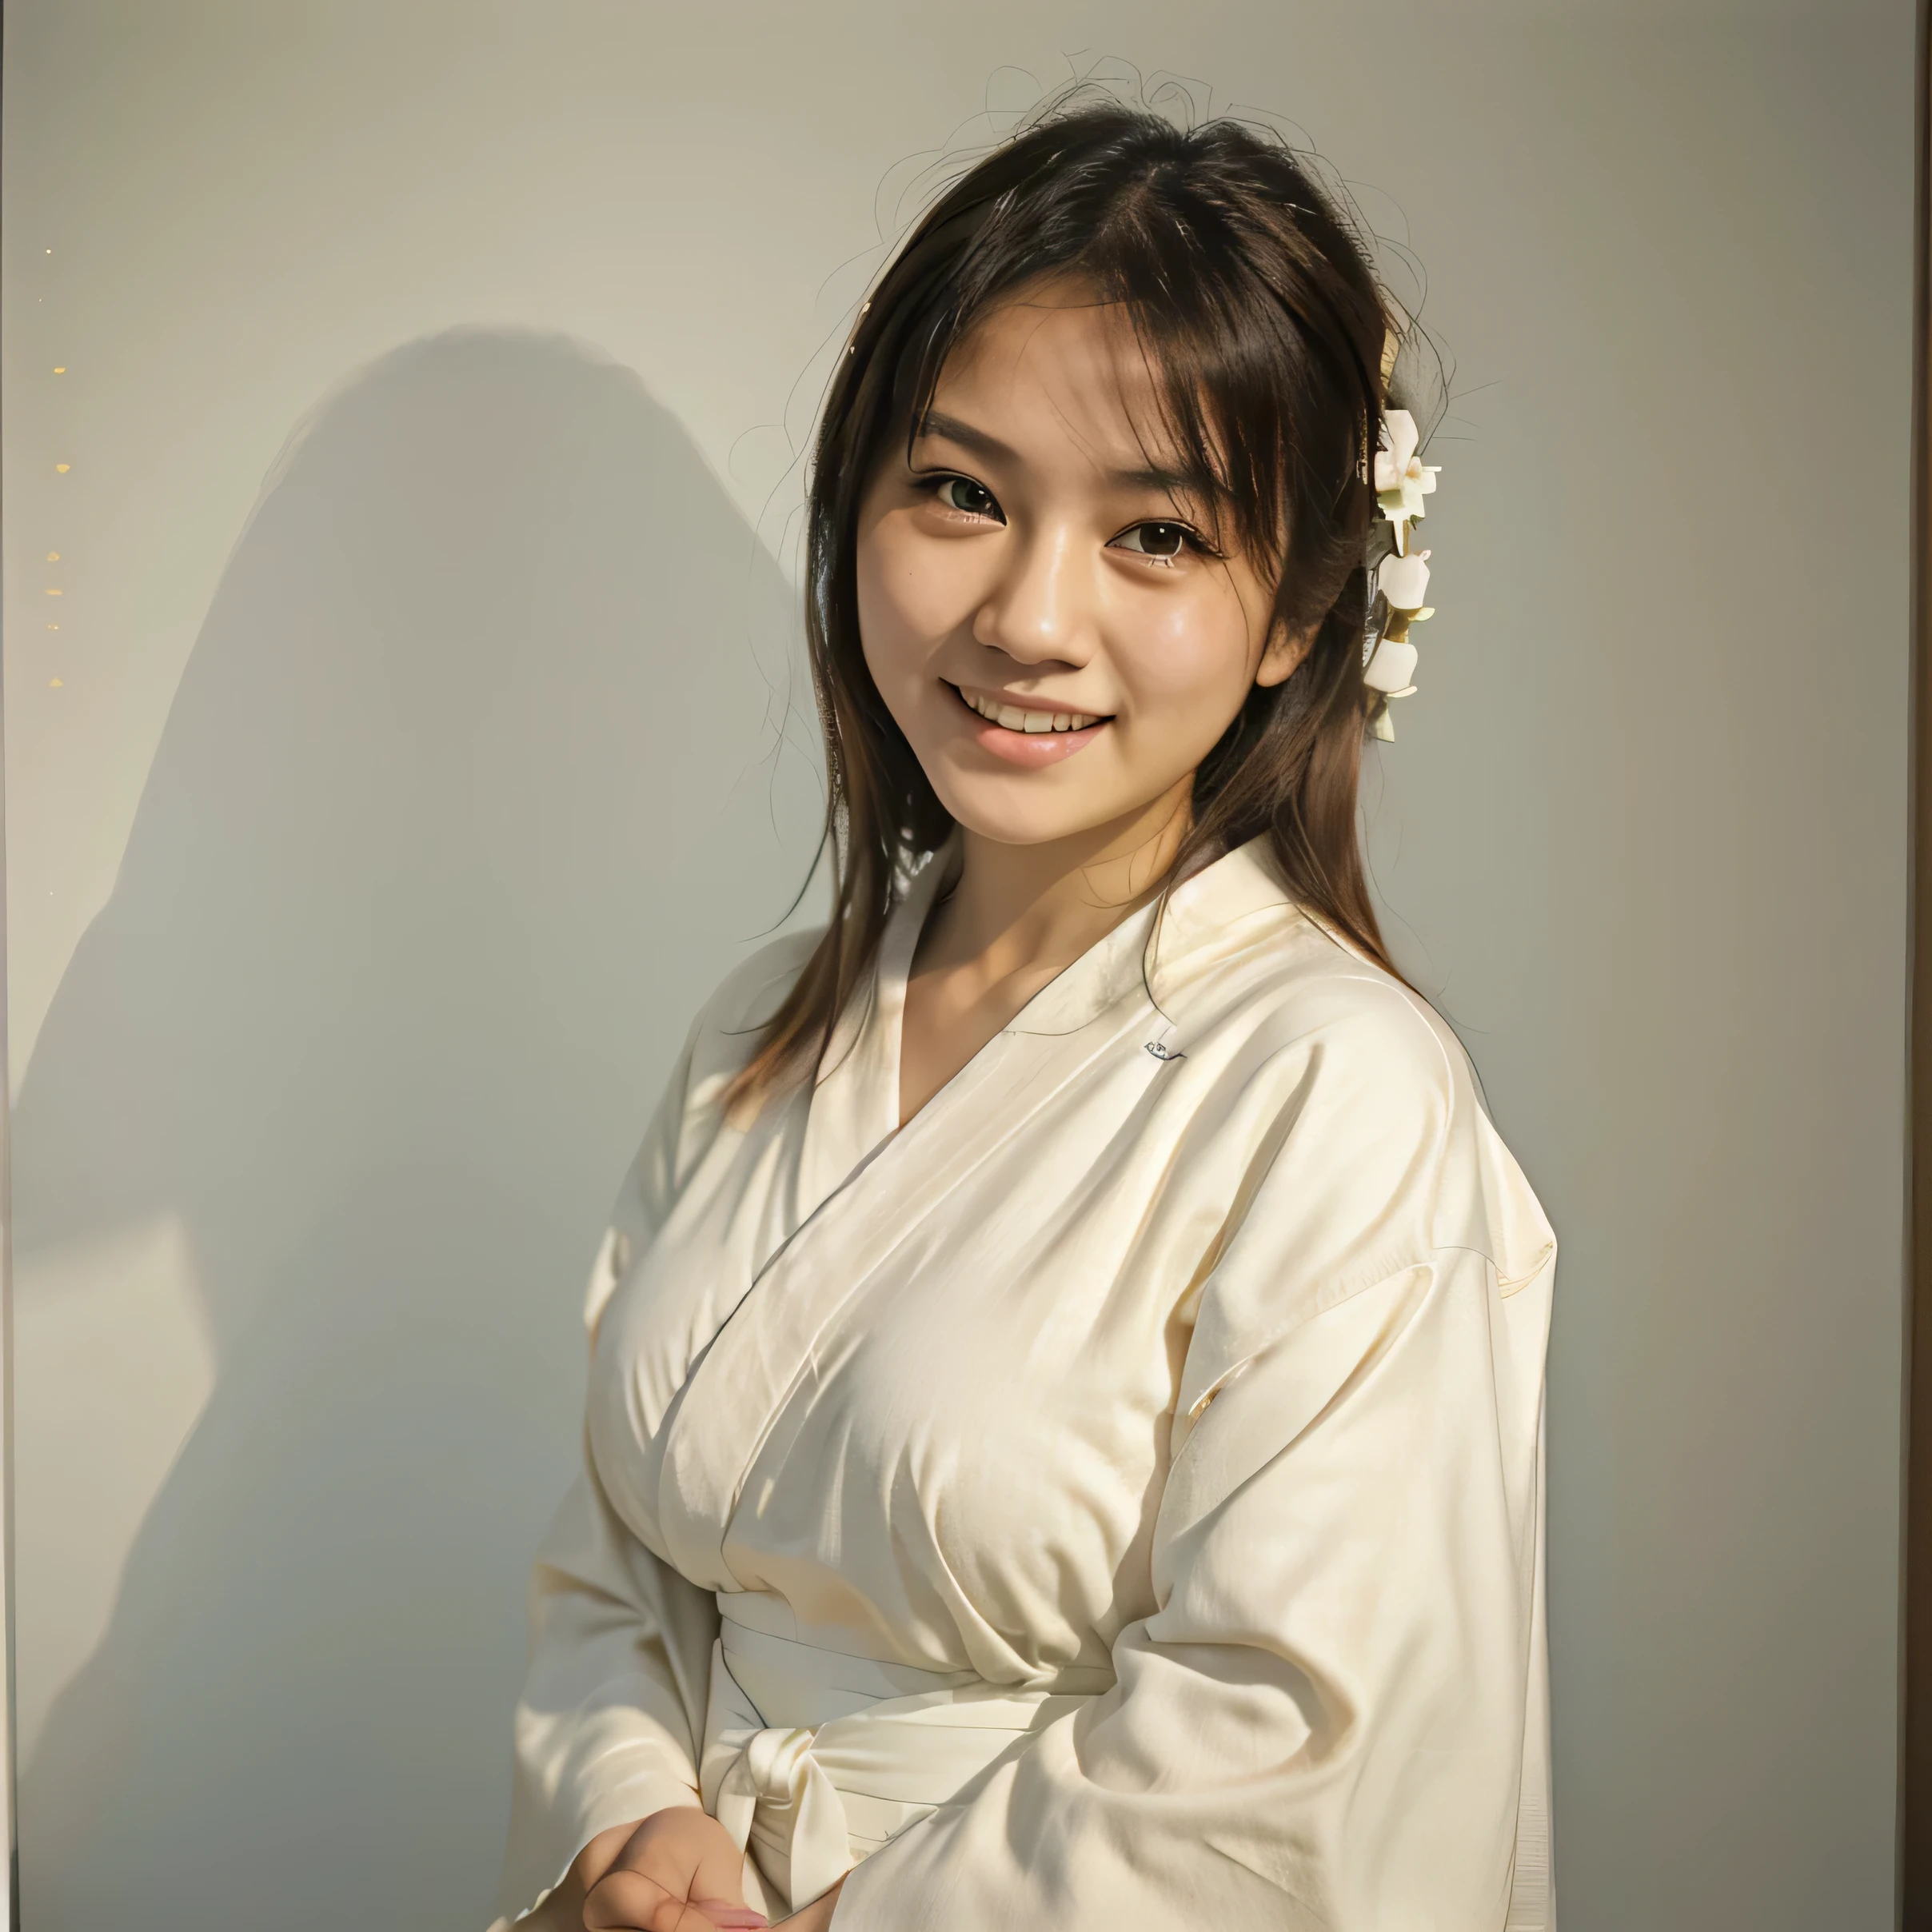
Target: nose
x=1036 y=609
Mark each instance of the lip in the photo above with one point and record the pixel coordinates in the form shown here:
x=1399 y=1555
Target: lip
x=1029 y=749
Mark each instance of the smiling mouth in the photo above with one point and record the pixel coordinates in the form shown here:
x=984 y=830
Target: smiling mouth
x=1014 y=717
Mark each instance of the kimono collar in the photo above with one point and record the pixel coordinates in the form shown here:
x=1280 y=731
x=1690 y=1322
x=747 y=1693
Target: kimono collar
x=1200 y=924
x=1232 y=903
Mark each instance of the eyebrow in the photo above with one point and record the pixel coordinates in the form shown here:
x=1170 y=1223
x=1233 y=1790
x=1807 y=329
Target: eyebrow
x=1170 y=482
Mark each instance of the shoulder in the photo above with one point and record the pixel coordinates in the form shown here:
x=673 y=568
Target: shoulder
x=1263 y=978
x=687 y=1121
x=1372 y=1106
x=1293 y=1005
x=728 y=1026
x=751 y=992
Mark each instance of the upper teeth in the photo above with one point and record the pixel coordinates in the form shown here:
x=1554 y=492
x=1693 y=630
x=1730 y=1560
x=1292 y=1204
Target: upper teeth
x=1014 y=719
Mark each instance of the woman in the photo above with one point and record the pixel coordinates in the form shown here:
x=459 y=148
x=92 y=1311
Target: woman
x=1063 y=1425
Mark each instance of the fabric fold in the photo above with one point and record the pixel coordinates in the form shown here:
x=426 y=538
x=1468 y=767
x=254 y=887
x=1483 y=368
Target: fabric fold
x=809 y=1800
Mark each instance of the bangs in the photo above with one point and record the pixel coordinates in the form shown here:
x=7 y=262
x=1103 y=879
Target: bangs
x=1265 y=389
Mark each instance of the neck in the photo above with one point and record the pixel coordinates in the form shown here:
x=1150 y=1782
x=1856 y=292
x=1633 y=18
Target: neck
x=1017 y=908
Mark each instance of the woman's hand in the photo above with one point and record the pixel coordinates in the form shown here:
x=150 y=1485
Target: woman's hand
x=677 y=1871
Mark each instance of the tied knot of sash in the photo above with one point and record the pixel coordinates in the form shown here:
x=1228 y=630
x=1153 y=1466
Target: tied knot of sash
x=882 y=1747
x=775 y=1799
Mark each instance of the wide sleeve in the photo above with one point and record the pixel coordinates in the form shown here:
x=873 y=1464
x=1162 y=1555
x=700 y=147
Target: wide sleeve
x=612 y=1706
x=1322 y=1723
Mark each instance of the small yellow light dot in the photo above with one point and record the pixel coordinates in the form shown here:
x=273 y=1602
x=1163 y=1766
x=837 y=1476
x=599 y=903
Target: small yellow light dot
x=53 y=683
x=52 y=592
x=50 y=251
x=53 y=627
x=60 y=369
x=63 y=468
x=53 y=556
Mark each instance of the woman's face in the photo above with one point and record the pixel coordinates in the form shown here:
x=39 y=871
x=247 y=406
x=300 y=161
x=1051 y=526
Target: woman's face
x=1042 y=609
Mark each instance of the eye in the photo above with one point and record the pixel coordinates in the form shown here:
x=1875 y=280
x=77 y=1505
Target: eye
x=963 y=493
x=1161 y=541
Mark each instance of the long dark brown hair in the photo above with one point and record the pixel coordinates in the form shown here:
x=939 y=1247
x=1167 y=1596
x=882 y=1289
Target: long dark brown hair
x=1251 y=294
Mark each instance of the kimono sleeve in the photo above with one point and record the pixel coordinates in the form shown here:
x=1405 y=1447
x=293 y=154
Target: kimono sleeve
x=614 y=1694
x=1322 y=1723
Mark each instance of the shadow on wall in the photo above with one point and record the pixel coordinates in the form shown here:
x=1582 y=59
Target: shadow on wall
x=459 y=813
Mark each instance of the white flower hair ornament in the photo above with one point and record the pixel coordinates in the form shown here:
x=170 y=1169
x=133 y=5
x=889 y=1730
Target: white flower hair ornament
x=1402 y=480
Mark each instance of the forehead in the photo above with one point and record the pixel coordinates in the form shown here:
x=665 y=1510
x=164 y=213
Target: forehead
x=1056 y=369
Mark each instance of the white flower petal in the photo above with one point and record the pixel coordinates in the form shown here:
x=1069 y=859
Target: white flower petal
x=1392 y=667
x=1402 y=435
x=1404 y=580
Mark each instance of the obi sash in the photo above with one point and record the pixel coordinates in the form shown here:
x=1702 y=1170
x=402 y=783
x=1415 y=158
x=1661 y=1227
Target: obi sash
x=812 y=1759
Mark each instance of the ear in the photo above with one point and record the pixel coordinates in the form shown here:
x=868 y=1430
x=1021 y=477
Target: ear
x=1281 y=655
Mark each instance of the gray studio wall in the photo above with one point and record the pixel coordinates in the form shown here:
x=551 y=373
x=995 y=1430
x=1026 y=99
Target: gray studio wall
x=431 y=373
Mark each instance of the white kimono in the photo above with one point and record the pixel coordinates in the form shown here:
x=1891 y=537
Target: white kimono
x=1113 y=1499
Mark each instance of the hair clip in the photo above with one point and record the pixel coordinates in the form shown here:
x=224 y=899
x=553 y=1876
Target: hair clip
x=1402 y=480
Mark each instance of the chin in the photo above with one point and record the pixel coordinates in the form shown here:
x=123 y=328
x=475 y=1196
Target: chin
x=1009 y=821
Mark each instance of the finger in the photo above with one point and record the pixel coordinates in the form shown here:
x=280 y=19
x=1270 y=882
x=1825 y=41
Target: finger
x=725 y=1912
x=694 y=1919
x=627 y=1901
x=721 y=1873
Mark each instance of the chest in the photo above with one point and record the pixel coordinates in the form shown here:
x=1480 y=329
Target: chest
x=961 y=1367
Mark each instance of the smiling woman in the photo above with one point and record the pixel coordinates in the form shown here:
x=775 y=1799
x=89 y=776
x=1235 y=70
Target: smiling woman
x=1143 y=372
x=1058 y=582
x=1064 y=1434
x=1032 y=590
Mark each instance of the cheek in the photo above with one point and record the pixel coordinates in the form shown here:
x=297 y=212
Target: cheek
x=913 y=594
x=1189 y=656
